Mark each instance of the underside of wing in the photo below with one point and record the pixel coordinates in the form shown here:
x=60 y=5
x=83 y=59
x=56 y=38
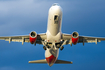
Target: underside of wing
x=68 y=39
x=66 y=36
x=24 y=38
x=87 y=39
x=21 y=38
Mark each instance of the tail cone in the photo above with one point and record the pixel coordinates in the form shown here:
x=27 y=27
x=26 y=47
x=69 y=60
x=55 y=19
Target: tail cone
x=51 y=60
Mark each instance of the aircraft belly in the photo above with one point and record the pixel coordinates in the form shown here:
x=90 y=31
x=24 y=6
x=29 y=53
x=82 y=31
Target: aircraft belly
x=50 y=52
x=51 y=38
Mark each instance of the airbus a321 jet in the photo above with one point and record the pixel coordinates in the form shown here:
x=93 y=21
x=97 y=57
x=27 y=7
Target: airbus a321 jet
x=53 y=39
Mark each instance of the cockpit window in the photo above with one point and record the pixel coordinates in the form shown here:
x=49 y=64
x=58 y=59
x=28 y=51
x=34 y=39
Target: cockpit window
x=55 y=4
x=56 y=19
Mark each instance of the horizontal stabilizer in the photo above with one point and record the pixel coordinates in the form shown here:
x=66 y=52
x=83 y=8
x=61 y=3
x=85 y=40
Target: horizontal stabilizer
x=43 y=61
x=63 y=62
x=38 y=61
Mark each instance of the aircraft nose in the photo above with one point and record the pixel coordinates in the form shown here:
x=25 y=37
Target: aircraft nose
x=51 y=60
x=55 y=8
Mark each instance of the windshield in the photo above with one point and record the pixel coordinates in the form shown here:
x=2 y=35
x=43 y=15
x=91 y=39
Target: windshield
x=56 y=19
x=55 y=4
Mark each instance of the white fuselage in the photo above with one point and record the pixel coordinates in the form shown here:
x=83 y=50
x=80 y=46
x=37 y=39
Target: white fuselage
x=53 y=33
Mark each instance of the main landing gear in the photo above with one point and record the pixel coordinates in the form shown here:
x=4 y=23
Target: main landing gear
x=53 y=45
x=44 y=47
x=61 y=48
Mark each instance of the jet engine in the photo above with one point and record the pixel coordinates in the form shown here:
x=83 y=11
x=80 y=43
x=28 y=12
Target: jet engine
x=75 y=37
x=33 y=37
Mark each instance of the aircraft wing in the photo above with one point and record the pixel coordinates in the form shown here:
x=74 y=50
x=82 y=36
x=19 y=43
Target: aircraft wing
x=83 y=39
x=86 y=39
x=23 y=38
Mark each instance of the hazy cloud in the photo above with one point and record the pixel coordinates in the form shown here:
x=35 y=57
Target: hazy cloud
x=7 y=68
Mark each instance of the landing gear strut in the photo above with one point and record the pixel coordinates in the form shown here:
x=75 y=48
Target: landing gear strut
x=61 y=48
x=62 y=45
x=44 y=47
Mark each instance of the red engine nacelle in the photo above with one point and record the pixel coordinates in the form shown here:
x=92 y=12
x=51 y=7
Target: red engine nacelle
x=75 y=37
x=33 y=37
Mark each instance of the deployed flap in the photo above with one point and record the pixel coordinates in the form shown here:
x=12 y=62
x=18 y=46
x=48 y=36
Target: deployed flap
x=38 y=61
x=63 y=62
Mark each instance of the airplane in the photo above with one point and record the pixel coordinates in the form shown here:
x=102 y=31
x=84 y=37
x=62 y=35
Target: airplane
x=53 y=39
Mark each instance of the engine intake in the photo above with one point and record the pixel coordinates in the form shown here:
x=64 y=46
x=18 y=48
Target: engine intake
x=32 y=37
x=75 y=37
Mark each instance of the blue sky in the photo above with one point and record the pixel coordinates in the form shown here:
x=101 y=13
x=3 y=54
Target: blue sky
x=20 y=17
